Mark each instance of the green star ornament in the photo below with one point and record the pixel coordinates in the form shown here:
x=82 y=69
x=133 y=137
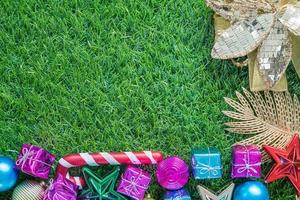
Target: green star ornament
x=207 y=195
x=101 y=189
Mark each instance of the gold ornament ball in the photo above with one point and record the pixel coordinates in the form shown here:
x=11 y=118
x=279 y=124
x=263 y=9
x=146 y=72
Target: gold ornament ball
x=148 y=197
x=29 y=190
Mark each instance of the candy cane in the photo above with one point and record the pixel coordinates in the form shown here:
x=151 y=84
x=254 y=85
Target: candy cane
x=104 y=158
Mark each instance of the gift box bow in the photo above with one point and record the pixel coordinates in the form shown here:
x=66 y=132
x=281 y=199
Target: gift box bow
x=204 y=169
x=61 y=189
x=247 y=166
x=30 y=157
x=136 y=183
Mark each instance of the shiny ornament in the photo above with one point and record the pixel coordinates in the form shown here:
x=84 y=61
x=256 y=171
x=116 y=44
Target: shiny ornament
x=148 y=197
x=251 y=190
x=287 y=163
x=29 y=190
x=181 y=194
x=172 y=173
x=8 y=173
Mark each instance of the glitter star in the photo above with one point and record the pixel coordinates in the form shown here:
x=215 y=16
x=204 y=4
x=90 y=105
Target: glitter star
x=207 y=195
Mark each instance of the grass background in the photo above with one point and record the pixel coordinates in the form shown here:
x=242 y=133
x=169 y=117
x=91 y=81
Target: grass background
x=89 y=76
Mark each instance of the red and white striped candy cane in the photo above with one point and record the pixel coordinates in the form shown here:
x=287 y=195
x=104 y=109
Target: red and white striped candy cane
x=104 y=158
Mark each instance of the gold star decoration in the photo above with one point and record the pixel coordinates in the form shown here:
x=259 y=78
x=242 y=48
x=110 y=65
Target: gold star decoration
x=205 y=194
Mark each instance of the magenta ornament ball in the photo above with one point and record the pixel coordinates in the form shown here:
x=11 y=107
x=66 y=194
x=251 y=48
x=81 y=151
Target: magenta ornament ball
x=172 y=173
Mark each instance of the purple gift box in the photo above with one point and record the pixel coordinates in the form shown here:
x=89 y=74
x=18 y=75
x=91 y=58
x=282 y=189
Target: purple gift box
x=35 y=161
x=134 y=183
x=246 y=161
x=61 y=189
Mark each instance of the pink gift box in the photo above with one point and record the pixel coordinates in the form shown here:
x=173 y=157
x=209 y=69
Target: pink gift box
x=246 y=161
x=134 y=183
x=35 y=161
x=61 y=189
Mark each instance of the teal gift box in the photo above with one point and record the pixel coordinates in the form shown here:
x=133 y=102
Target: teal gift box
x=206 y=163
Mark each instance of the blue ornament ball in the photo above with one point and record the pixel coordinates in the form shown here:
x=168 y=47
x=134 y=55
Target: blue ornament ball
x=251 y=190
x=8 y=173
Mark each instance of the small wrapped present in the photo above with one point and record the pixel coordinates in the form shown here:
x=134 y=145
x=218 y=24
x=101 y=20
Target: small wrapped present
x=206 y=163
x=35 y=161
x=246 y=161
x=61 y=189
x=181 y=194
x=134 y=183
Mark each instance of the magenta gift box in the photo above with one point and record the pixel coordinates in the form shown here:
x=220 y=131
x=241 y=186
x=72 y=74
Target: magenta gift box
x=35 y=161
x=61 y=189
x=246 y=161
x=134 y=183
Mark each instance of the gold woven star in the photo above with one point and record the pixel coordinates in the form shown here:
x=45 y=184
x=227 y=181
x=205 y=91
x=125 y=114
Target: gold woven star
x=205 y=194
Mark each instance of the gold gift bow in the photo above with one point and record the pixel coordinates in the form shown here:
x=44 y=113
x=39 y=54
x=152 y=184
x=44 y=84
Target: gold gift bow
x=256 y=81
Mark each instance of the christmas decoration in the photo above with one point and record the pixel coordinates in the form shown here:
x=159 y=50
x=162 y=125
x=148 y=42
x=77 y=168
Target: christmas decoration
x=287 y=163
x=134 y=183
x=205 y=194
x=148 y=197
x=273 y=118
x=35 y=161
x=206 y=163
x=172 y=173
x=104 y=158
x=246 y=161
x=29 y=190
x=8 y=174
x=100 y=188
x=264 y=26
x=61 y=189
x=181 y=194
x=251 y=190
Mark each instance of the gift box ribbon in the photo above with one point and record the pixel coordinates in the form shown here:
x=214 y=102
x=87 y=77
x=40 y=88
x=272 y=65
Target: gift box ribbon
x=208 y=169
x=28 y=154
x=204 y=169
x=133 y=186
x=246 y=166
x=60 y=191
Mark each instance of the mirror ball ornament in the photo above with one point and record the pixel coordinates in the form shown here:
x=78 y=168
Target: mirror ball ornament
x=8 y=173
x=251 y=190
x=29 y=190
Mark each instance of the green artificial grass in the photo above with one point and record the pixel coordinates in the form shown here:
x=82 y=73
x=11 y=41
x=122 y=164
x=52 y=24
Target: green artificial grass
x=86 y=76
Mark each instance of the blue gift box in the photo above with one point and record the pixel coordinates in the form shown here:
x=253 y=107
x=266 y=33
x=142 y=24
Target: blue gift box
x=206 y=163
x=181 y=194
